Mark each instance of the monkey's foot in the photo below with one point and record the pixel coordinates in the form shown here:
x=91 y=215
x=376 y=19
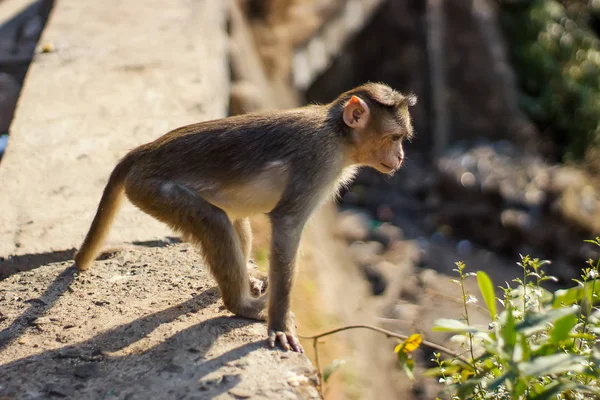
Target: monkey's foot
x=259 y=281
x=254 y=308
x=287 y=340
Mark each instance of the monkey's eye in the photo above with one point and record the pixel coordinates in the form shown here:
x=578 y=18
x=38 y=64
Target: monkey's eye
x=395 y=138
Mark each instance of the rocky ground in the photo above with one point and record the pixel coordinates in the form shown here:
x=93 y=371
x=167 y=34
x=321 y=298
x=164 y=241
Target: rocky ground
x=492 y=199
x=144 y=323
x=483 y=205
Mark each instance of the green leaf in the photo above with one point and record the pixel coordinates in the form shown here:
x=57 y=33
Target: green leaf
x=508 y=331
x=554 y=364
x=566 y=297
x=518 y=388
x=331 y=368
x=574 y=295
x=517 y=355
x=556 y=387
x=593 y=241
x=562 y=328
x=494 y=383
x=467 y=388
x=585 y=336
x=524 y=347
x=408 y=364
x=449 y=369
x=534 y=322
x=453 y=325
x=517 y=294
x=548 y=391
x=487 y=292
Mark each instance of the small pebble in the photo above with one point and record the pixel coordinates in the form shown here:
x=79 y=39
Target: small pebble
x=295 y=379
x=48 y=48
x=241 y=393
x=55 y=390
x=42 y=321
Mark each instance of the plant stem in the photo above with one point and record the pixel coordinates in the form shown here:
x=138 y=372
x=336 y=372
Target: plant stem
x=316 y=347
x=464 y=296
x=589 y=307
x=525 y=288
x=537 y=285
x=400 y=336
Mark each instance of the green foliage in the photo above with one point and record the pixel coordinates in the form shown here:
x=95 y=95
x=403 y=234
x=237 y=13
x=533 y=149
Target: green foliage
x=557 y=59
x=542 y=345
x=487 y=291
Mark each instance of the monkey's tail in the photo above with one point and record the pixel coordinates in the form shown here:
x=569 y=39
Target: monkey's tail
x=107 y=209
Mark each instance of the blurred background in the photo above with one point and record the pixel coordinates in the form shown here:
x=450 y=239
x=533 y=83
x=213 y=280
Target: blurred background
x=505 y=160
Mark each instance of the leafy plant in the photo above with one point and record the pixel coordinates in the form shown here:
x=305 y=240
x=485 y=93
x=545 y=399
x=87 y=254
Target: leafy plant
x=542 y=345
x=557 y=59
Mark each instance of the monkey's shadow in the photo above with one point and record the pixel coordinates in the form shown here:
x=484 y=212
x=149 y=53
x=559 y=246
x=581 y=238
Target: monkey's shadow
x=38 y=307
x=28 y=262
x=174 y=368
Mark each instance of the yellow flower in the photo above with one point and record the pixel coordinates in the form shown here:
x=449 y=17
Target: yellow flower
x=411 y=344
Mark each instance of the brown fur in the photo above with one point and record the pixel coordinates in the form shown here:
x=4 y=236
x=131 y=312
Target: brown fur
x=205 y=180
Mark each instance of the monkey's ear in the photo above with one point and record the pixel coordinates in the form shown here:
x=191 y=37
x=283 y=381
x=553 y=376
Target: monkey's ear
x=356 y=113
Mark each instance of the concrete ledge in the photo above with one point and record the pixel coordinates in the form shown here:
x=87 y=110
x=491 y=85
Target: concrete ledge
x=123 y=73
x=148 y=322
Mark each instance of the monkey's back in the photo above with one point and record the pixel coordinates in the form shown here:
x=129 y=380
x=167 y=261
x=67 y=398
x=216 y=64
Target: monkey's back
x=235 y=148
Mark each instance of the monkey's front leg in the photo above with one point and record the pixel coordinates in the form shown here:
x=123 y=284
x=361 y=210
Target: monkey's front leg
x=284 y=247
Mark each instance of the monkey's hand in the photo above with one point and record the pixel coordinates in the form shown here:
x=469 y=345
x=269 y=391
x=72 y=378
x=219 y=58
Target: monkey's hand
x=286 y=335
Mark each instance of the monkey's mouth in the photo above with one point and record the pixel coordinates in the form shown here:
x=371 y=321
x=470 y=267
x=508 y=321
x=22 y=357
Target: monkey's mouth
x=387 y=168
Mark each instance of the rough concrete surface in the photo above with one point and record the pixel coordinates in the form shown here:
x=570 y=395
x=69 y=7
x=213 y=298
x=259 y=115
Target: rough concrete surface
x=147 y=323
x=122 y=73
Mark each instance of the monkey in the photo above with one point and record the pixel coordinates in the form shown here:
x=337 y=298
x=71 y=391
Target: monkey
x=205 y=180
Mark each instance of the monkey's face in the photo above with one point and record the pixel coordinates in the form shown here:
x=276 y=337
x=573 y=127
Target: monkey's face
x=378 y=134
x=382 y=149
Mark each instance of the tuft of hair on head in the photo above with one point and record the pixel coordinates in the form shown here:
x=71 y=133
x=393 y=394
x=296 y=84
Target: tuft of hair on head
x=384 y=95
x=411 y=99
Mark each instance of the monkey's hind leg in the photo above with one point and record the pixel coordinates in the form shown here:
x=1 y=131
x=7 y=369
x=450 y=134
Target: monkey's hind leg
x=208 y=226
x=259 y=281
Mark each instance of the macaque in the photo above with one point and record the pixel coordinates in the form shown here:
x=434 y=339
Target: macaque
x=205 y=180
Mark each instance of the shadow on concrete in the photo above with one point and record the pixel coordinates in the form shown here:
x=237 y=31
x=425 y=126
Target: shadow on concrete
x=38 y=307
x=169 y=240
x=27 y=262
x=20 y=36
x=175 y=368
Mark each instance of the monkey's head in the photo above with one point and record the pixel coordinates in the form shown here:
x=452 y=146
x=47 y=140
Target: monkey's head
x=378 y=121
